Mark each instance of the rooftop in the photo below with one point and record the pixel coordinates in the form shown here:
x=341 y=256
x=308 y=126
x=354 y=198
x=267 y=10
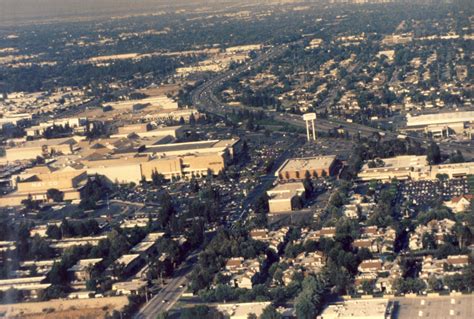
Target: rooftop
x=308 y=163
x=356 y=309
x=84 y=264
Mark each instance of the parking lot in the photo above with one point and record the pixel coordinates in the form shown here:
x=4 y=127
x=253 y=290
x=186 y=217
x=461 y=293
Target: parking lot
x=423 y=192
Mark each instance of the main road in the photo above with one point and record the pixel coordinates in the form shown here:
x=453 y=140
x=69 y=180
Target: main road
x=204 y=98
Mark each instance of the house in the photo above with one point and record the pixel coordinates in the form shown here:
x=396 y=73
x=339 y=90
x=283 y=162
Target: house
x=371 y=266
x=459 y=204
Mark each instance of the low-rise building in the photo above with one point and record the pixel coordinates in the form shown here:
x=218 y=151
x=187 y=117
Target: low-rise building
x=82 y=270
x=127 y=288
x=30 y=285
x=459 y=204
x=285 y=197
x=242 y=310
x=358 y=309
x=34 y=185
x=300 y=168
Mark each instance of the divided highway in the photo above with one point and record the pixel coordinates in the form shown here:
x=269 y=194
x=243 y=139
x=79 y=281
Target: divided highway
x=204 y=98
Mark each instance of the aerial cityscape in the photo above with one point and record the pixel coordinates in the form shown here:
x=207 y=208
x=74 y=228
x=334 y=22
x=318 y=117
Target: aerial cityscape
x=265 y=159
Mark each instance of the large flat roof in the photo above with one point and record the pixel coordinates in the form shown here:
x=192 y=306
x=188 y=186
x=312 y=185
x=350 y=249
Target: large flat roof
x=189 y=146
x=400 y=162
x=440 y=118
x=356 y=309
x=308 y=163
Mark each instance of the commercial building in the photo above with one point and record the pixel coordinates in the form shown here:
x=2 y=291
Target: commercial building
x=146 y=130
x=36 y=182
x=242 y=310
x=299 y=168
x=44 y=148
x=285 y=197
x=400 y=167
x=442 y=124
x=127 y=288
x=412 y=167
x=125 y=161
x=358 y=309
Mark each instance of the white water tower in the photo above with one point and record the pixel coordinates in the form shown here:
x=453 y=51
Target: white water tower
x=310 y=119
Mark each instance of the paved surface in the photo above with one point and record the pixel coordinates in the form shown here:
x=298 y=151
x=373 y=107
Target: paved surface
x=170 y=294
x=204 y=98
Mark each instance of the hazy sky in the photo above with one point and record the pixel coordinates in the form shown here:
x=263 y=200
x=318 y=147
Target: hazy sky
x=11 y=10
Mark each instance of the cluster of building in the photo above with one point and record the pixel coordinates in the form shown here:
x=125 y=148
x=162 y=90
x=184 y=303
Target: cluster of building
x=437 y=229
x=220 y=61
x=120 y=159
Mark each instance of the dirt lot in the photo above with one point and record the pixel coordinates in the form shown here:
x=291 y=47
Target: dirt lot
x=64 y=309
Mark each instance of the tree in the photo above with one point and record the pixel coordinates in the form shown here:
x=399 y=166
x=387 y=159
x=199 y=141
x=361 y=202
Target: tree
x=433 y=154
x=55 y=195
x=270 y=313
x=304 y=306
x=368 y=286
x=163 y=315
x=157 y=179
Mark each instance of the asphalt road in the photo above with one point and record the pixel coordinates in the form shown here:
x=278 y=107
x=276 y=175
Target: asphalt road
x=204 y=98
x=170 y=294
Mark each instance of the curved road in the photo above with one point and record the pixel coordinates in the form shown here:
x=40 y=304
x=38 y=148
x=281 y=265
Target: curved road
x=204 y=98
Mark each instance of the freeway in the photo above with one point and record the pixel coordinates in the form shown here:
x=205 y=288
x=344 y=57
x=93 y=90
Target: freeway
x=204 y=98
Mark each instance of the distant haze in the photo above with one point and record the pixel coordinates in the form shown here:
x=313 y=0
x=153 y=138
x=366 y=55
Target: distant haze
x=14 y=11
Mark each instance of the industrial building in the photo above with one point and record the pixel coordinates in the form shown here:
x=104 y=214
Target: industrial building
x=442 y=124
x=299 y=168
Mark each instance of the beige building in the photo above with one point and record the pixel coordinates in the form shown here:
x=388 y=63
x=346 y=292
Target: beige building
x=44 y=148
x=460 y=204
x=37 y=181
x=81 y=271
x=298 y=168
x=442 y=124
x=146 y=130
x=414 y=168
x=285 y=197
